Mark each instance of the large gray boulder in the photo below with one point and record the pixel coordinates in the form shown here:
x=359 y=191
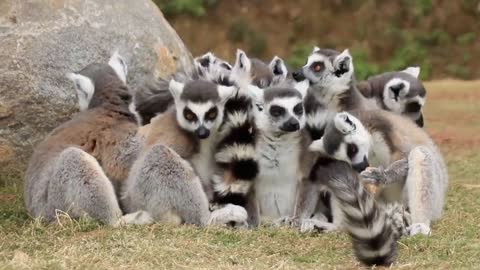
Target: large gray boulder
x=41 y=41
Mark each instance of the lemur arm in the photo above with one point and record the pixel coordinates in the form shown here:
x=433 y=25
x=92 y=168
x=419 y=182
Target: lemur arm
x=397 y=171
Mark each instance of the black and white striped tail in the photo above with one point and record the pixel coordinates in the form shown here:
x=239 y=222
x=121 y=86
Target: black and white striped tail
x=372 y=227
x=235 y=153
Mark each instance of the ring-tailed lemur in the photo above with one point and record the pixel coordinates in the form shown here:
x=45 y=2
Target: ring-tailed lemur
x=278 y=140
x=396 y=138
x=415 y=173
x=400 y=92
x=190 y=129
x=374 y=227
x=236 y=153
x=81 y=164
x=153 y=97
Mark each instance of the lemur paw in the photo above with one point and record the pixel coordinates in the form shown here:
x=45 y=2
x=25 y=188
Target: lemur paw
x=419 y=228
x=230 y=214
x=136 y=218
x=285 y=221
x=313 y=225
x=373 y=175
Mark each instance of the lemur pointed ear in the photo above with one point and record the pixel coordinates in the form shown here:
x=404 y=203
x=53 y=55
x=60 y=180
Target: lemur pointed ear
x=176 y=88
x=241 y=70
x=343 y=63
x=226 y=92
x=302 y=87
x=119 y=65
x=315 y=49
x=414 y=71
x=205 y=60
x=317 y=146
x=84 y=88
x=278 y=67
x=344 y=122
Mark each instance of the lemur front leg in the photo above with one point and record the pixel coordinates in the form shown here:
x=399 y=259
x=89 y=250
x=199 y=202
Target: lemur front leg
x=162 y=183
x=396 y=172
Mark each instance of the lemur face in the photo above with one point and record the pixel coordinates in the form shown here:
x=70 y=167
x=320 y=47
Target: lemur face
x=200 y=105
x=327 y=70
x=282 y=110
x=345 y=139
x=403 y=92
x=212 y=68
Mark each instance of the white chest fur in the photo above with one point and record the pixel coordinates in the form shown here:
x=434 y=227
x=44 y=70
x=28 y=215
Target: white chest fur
x=204 y=164
x=276 y=184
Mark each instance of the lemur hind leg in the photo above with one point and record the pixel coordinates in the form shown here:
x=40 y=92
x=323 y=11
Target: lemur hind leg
x=79 y=186
x=165 y=185
x=425 y=188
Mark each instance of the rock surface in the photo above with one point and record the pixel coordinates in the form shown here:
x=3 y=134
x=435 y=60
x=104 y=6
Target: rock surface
x=42 y=40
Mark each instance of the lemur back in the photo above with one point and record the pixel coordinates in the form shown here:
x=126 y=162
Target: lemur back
x=96 y=147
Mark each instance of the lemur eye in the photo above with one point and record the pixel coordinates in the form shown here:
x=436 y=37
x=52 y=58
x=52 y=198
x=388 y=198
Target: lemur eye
x=276 y=111
x=317 y=66
x=189 y=115
x=352 y=150
x=211 y=114
x=298 y=109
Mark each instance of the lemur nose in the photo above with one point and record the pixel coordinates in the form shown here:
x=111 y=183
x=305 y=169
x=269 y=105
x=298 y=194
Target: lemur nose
x=291 y=125
x=360 y=167
x=413 y=107
x=298 y=75
x=202 y=132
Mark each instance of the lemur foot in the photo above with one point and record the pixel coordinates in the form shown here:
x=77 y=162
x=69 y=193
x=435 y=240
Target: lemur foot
x=314 y=225
x=136 y=218
x=233 y=215
x=419 y=228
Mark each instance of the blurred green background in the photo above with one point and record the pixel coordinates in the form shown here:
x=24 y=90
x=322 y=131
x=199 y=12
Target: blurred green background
x=440 y=36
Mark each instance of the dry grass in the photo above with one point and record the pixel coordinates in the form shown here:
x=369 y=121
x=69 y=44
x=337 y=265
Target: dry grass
x=452 y=118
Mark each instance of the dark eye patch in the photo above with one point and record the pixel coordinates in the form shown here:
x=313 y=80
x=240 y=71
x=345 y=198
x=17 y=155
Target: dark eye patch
x=352 y=150
x=204 y=62
x=276 y=111
x=298 y=109
x=189 y=115
x=317 y=66
x=211 y=114
x=276 y=69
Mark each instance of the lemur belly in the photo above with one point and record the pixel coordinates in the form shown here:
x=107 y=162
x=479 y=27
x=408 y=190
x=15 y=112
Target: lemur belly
x=276 y=185
x=203 y=163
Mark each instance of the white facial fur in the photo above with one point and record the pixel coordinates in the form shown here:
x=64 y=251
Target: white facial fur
x=84 y=88
x=265 y=121
x=199 y=108
x=326 y=80
x=354 y=133
x=389 y=97
x=279 y=70
x=119 y=65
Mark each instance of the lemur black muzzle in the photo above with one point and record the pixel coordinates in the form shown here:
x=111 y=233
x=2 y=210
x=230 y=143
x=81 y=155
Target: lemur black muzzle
x=298 y=75
x=291 y=125
x=202 y=132
x=413 y=107
x=360 y=167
